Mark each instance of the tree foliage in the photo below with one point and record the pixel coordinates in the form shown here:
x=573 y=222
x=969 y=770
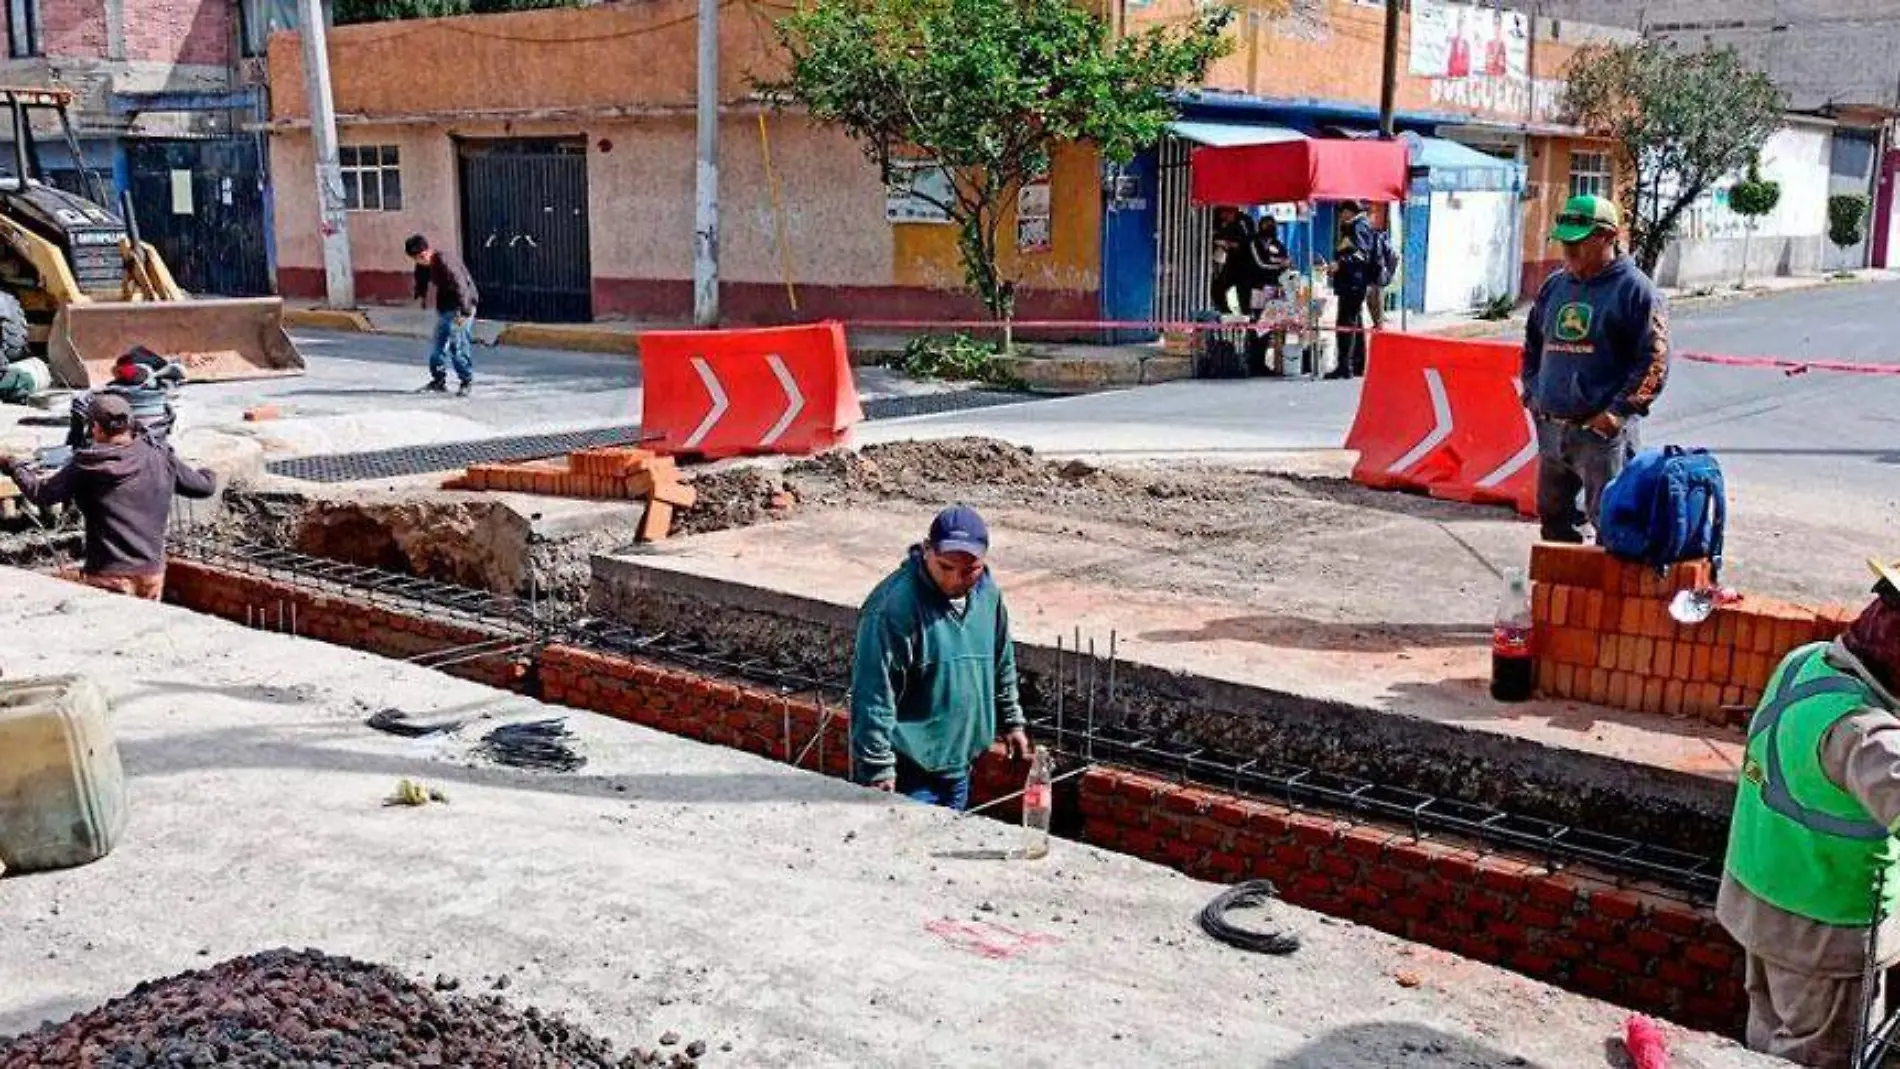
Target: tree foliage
x=1754 y=196
x=1685 y=120
x=1846 y=219
x=987 y=89
x=349 y=11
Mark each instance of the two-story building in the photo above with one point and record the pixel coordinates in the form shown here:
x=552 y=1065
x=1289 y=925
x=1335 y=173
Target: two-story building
x=168 y=98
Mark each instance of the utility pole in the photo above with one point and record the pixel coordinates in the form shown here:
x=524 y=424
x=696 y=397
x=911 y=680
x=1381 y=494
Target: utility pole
x=1389 y=85
x=338 y=276
x=706 y=191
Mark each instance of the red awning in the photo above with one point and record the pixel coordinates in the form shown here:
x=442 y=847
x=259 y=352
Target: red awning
x=1292 y=172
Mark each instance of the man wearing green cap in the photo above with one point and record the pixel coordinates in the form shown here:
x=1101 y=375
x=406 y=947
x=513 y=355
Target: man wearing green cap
x=1596 y=355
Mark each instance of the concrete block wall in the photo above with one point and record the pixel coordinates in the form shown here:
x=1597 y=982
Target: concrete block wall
x=1604 y=635
x=1645 y=951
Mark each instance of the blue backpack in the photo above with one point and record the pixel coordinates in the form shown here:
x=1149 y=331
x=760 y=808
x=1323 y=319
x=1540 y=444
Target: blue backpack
x=1668 y=505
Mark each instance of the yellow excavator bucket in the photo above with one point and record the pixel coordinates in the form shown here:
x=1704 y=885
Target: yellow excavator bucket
x=216 y=339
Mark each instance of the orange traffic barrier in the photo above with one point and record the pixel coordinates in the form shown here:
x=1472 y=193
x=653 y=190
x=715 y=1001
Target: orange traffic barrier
x=1444 y=417
x=722 y=393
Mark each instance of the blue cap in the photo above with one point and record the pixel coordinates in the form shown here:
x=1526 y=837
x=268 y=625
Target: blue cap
x=960 y=530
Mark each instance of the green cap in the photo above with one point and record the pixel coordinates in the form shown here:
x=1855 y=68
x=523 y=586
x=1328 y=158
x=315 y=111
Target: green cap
x=1583 y=216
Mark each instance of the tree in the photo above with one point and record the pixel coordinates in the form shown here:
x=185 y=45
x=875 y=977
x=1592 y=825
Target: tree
x=987 y=89
x=1846 y=214
x=1685 y=122
x=1751 y=198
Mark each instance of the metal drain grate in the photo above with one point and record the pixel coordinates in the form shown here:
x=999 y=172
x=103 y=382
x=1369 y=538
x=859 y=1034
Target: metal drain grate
x=447 y=456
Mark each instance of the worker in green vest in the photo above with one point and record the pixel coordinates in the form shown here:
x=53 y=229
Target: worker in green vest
x=1813 y=860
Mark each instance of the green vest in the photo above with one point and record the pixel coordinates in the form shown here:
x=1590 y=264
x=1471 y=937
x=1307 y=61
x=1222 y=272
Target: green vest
x=1798 y=841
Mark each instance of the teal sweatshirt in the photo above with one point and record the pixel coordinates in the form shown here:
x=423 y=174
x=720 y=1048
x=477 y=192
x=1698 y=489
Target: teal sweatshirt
x=927 y=681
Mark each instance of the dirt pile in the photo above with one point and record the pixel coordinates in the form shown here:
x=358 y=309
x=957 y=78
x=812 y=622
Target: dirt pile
x=731 y=497
x=295 y=1008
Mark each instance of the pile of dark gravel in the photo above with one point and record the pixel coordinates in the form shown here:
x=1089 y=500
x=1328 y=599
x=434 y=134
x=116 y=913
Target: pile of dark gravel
x=295 y=1008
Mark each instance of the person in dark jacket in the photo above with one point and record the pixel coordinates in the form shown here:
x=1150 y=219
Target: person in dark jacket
x=1233 y=280
x=123 y=485
x=1355 y=277
x=147 y=381
x=455 y=313
x=933 y=678
x=1596 y=356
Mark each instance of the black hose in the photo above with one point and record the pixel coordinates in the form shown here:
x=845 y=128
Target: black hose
x=1251 y=893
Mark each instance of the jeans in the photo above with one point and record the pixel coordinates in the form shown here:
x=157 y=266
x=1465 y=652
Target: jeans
x=1573 y=459
x=451 y=347
x=932 y=788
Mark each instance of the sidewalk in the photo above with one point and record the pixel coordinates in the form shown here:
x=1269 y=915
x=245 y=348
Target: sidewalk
x=1063 y=368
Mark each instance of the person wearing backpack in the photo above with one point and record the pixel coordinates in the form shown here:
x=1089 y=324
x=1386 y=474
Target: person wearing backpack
x=1816 y=807
x=1596 y=356
x=1361 y=271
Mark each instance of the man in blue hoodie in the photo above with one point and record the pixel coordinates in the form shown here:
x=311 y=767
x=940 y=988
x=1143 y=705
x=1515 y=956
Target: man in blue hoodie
x=933 y=679
x=1596 y=355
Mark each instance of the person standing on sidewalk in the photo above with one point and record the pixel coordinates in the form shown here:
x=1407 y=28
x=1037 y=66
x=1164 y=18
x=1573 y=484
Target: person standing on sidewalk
x=123 y=484
x=1596 y=356
x=1816 y=808
x=455 y=313
x=1355 y=278
x=933 y=679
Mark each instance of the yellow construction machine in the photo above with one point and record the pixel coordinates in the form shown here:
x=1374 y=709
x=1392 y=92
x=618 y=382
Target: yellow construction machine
x=79 y=286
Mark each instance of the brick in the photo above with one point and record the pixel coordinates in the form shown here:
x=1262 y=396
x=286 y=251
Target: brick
x=1619 y=692
x=1293 y=856
x=1640 y=657
x=1610 y=651
x=1717 y=956
x=1630 y=621
x=1679 y=922
x=1543 y=611
x=1673 y=697
x=1387 y=879
x=1507 y=876
x=1617 y=905
x=1366 y=844
x=1623 y=960
x=1207 y=834
x=1488 y=903
x=1574 y=566
x=1699 y=657
x=1680 y=975
x=1565 y=683
x=1645 y=940
x=1364 y=896
x=1662 y=661
x=1344 y=868
x=1188 y=801
x=1652 y=700
x=1598 y=692
x=1722 y=664
x=1314 y=831
x=1413 y=909
x=1459 y=868
x=1231 y=812
x=1507 y=933
x=1595 y=980
x=1226 y=865
x=1538 y=917
x=1560 y=605
x=1531 y=963
x=1553 y=892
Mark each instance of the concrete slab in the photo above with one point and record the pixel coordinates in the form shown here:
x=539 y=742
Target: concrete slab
x=672 y=885
x=1399 y=633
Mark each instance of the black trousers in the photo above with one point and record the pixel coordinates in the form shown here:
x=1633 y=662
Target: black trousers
x=1350 y=338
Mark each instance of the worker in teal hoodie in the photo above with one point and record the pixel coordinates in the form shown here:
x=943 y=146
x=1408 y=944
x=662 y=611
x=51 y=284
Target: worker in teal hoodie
x=933 y=680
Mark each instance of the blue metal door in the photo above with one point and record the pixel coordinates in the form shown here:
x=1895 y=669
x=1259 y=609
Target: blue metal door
x=1129 y=247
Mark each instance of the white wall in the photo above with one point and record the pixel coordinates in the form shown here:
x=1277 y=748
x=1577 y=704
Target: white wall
x=1796 y=157
x=1472 y=253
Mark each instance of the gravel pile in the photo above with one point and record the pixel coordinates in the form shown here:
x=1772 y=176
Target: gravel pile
x=290 y=1008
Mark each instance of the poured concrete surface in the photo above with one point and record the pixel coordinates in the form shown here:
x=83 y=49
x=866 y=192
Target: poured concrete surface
x=670 y=885
x=1401 y=631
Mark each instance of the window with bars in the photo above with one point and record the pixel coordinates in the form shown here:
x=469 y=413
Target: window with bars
x=372 y=178
x=23 y=25
x=1590 y=175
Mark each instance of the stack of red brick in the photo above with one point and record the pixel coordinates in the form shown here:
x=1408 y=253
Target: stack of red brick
x=613 y=474
x=1604 y=635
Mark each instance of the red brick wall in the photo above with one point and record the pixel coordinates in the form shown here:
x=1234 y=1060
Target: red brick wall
x=180 y=31
x=1640 y=950
x=1645 y=951
x=245 y=598
x=1604 y=635
x=74 y=28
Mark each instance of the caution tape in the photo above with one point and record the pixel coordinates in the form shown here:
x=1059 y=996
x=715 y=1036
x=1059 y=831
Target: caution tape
x=1791 y=367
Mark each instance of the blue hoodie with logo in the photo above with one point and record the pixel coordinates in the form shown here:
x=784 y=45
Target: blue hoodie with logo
x=1595 y=346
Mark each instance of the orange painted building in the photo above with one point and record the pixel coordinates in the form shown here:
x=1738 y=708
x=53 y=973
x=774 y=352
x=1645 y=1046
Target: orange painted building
x=555 y=151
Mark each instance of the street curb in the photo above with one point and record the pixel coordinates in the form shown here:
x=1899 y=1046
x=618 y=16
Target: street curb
x=576 y=339
x=338 y=319
x=1061 y=375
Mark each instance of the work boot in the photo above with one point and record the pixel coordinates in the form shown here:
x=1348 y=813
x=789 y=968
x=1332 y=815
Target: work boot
x=435 y=386
x=464 y=389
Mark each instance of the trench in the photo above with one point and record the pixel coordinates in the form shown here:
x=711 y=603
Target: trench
x=1447 y=839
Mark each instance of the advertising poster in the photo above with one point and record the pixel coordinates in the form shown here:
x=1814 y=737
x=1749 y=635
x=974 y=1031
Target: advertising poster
x=1458 y=41
x=1033 y=232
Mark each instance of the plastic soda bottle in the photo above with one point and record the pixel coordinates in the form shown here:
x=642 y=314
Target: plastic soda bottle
x=1513 y=675
x=1038 y=803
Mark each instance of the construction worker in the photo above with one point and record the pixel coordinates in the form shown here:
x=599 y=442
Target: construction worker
x=123 y=485
x=933 y=679
x=1813 y=859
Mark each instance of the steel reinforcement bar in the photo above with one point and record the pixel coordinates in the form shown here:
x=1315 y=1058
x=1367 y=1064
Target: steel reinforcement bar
x=1692 y=875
